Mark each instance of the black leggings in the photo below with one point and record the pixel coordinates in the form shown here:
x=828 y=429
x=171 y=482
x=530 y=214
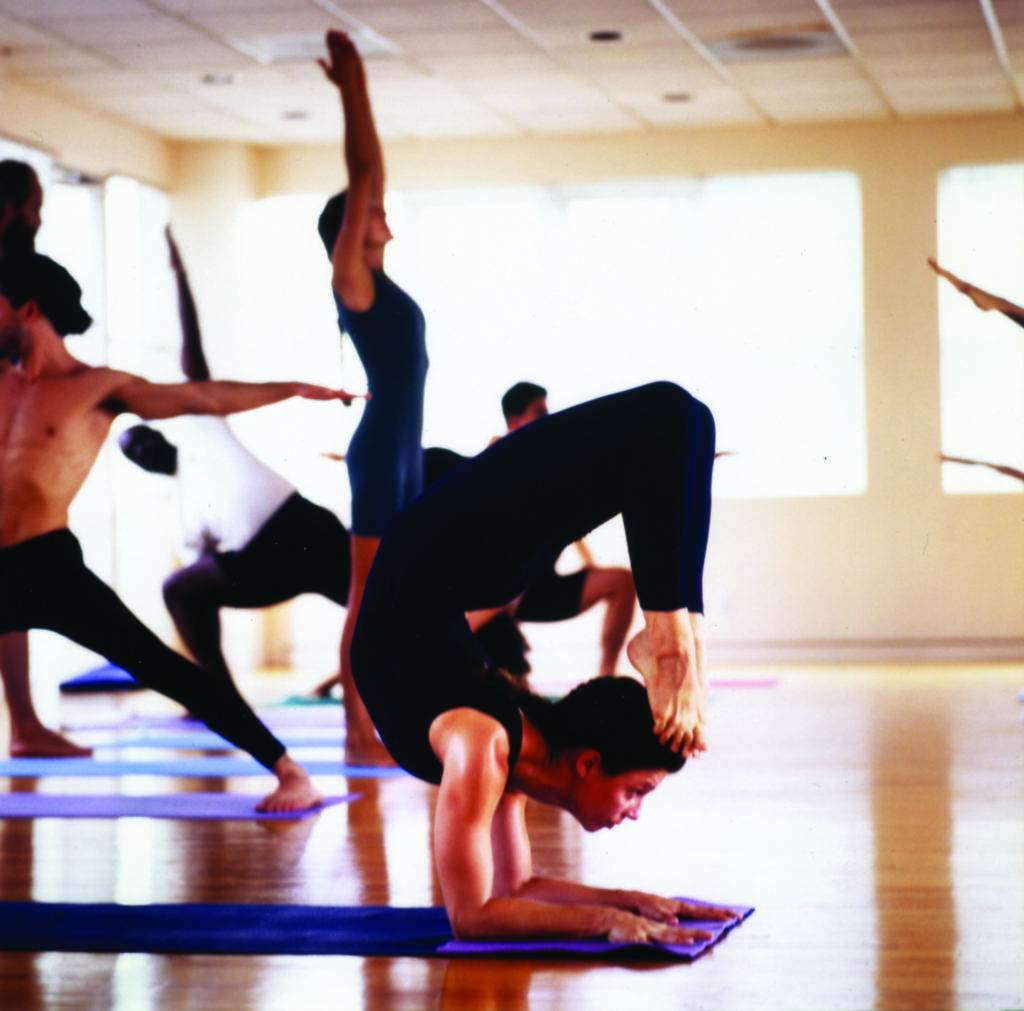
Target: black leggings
x=498 y=521
x=479 y=537
x=44 y=583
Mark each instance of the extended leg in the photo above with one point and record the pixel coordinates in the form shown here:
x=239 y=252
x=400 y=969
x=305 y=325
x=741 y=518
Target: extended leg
x=362 y=746
x=85 y=609
x=669 y=651
x=29 y=738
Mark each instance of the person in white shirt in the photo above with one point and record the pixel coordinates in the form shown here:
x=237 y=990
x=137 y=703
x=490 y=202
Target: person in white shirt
x=253 y=540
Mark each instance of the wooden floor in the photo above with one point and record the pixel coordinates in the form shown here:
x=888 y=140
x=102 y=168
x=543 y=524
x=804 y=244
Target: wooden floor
x=874 y=815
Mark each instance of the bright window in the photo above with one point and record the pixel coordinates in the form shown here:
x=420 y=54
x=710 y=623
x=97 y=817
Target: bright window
x=746 y=290
x=981 y=238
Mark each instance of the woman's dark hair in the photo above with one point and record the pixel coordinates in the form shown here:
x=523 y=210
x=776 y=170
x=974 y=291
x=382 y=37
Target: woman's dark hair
x=609 y=714
x=17 y=180
x=331 y=217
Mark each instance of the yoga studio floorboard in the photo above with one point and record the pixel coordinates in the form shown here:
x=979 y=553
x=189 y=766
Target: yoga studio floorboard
x=874 y=815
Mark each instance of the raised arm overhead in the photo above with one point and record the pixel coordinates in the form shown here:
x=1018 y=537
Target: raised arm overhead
x=360 y=241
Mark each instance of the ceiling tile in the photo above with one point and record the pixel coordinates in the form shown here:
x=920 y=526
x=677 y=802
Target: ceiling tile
x=429 y=16
x=499 y=41
x=718 y=20
x=18 y=35
x=195 y=7
x=41 y=10
x=28 y=63
x=124 y=31
x=200 y=54
x=498 y=66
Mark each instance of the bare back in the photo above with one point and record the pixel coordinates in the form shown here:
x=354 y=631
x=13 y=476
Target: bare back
x=51 y=431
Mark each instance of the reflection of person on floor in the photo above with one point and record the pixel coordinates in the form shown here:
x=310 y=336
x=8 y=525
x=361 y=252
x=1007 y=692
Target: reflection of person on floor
x=449 y=718
x=982 y=299
x=21 y=202
x=255 y=540
x=999 y=468
x=387 y=329
x=55 y=413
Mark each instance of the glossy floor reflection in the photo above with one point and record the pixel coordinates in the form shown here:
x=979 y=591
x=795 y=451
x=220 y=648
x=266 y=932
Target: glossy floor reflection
x=874 y=815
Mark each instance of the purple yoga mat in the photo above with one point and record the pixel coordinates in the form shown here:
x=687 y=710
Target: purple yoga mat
x=605 y=949
x=192 y=806
x=275 y=718
x=744 y=683
x=207 y=740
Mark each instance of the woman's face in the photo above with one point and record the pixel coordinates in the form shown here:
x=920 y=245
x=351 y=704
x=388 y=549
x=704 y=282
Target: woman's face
x=600 y=801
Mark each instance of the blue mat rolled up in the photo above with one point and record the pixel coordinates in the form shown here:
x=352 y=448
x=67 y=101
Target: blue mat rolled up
x=107 y=678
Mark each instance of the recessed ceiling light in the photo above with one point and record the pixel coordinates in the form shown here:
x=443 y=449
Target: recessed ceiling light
x=677 y=96
x=799 y=41
x=605 y=35
x=218 y=79
x=295 y=114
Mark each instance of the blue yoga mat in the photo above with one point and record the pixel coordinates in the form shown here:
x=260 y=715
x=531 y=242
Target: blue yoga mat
x=274 y=717
x=20 y=767
x=107 y=678
x=207 y=740
x=188 y=806
x=282 y=930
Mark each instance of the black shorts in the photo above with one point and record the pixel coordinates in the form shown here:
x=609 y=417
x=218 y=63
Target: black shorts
x=302 y=548
x=553 y=597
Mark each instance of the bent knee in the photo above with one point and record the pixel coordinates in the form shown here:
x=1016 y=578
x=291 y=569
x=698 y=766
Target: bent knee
x=180 y=591
x=678 y=409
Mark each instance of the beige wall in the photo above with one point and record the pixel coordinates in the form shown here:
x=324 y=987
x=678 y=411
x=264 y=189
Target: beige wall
x=79 y=139
x=902 y=569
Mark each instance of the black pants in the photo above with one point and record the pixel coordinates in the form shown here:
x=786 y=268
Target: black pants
x=302 y=548
x=44 y=583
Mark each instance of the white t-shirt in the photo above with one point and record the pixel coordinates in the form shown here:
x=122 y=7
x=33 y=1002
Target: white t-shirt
x=225 y=493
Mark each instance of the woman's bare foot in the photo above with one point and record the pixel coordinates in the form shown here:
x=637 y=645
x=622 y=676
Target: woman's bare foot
x=295 y=791
x=668 y=654
x=40 y=742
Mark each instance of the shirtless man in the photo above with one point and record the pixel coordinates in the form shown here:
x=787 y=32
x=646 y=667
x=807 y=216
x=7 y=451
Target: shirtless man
x=21 y=203
x=55 y=413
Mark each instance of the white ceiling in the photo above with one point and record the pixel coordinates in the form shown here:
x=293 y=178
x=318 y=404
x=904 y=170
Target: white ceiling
x=514 y=67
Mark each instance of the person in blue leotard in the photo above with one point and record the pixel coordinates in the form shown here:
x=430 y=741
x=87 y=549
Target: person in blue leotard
x=387 y=328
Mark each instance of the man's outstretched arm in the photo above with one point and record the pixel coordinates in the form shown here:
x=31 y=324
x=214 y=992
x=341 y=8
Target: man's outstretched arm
x=170 y=400
x=984 y=300
x=999 y=468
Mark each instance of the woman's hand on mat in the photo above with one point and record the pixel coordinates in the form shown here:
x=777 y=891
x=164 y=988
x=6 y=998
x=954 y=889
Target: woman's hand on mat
x=343 y=65
x=671 y=911
x=310 y=391
x=700 y=911
x=638 y=929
